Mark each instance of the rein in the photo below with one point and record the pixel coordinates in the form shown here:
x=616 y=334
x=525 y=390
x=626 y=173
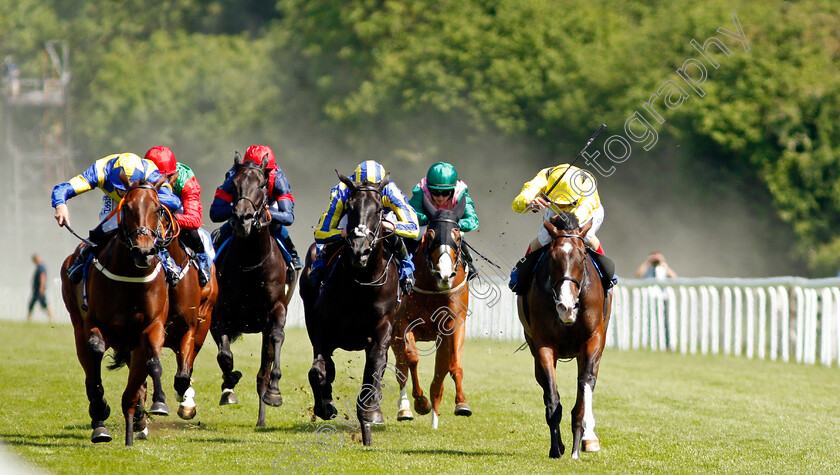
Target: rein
x=376 y=282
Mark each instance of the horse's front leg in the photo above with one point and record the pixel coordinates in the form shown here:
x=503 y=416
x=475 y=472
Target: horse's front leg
x=457 y=372
x=183 y=386
x=401 y=359
x=321 y=376
x=545 y=362
x=90 y=348
x=225 y=360
x=412 y=355
x=583 y=419
x=154 y=338
x=131 y=396
x=276 y=335
x=368 y=408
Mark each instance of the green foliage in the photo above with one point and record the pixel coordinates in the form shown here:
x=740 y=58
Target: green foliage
x=402 y=79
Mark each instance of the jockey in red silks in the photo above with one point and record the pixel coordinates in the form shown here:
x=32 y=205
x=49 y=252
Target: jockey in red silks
x=105 y=175
x=570 y=189
x=400 y=218
x=280 y=199
x=185 y=186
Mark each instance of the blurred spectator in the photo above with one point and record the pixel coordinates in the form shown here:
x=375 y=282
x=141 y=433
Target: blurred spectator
x=655 y=267
x=11 y=76
x=39 y=289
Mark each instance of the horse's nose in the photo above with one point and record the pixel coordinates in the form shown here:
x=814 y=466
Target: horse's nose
x=367 y=251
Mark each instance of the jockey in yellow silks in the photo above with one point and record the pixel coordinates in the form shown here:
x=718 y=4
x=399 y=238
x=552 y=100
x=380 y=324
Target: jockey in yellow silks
x=570 y=189
x=576 y=192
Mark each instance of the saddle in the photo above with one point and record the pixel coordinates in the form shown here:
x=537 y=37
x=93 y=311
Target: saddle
x=521 y=274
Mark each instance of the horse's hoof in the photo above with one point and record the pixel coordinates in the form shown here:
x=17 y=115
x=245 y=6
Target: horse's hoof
x=142 y=435
x=405 y=415
x=100 y=434
x=373 y=417
x=186 y=412
x=272 y=399
x=591 y=445
x=463 y=409
x=422 y=405
x=228 y=397
x=159 y=409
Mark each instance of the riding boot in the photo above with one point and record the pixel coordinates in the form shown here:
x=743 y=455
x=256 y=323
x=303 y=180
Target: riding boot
x=607 y=268
x=204 y=268
x=290 y=246
x=170 y=267
x=521 y=273
x=77 y=268
x=470 y=265
x=406 y=275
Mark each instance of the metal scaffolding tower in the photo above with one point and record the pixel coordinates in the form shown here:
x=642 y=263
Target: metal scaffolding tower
x=38 y=147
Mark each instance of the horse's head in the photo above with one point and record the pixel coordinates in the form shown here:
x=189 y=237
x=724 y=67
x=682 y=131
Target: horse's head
x=141 y=219
x=567 y=264
x=442 y=242
x=250 y=196
x=364 y=213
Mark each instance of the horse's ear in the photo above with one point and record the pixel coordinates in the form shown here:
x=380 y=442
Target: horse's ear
x=347 y=182
x=429 y=208
x=124 y=179
x=430 y=235
x=264 y=163
x=552 y=230
x=460 y=207
x=384 y=182
x=237 y=159
x=160 y=182
x=585 y=228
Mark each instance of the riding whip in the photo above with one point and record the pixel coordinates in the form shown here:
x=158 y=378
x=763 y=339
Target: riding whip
x=588 y=143
x=481 y=255
x=88 y=242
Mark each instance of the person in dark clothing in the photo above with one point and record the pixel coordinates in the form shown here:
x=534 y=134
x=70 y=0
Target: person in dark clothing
x=39 y=289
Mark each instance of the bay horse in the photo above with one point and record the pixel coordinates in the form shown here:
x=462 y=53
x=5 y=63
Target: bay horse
x=435 y=311
x=565 y=314
x=254 y=287
x=122 y=304
x=356 y=305
x=190 y=310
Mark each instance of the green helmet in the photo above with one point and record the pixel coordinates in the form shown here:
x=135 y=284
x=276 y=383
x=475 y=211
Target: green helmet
x=441 y=176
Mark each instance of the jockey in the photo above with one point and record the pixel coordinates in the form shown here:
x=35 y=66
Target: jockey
x=105 y=175
x=186 y=187
x=280 y=199
x=444 y=190
x=565 y=188
x=400 y=218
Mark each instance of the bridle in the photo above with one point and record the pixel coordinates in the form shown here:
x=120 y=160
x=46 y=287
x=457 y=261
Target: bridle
x=374 y=237
x=162 y=234
x=260 y=223
x=429 y=249
x=553 y=283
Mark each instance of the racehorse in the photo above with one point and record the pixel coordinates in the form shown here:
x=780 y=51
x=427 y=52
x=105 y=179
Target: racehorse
x=355 y=307
x=434 y=311
x=190 y=309
x=565 y=315
x=254 y=287
x=122 y=304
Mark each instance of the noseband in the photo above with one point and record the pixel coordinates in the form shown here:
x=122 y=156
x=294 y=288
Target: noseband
x=128 y=237
x=258 y=224
x=567 y=277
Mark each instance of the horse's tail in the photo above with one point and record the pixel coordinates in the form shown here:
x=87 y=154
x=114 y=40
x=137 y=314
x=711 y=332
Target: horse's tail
x=119 y=359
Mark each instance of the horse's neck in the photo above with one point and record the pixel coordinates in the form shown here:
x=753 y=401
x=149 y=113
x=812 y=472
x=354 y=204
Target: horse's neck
x=252 y=248
x=116 y=257
x=176 y=251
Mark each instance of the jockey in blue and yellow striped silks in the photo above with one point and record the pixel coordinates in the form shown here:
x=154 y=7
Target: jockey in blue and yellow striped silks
x=330 y=226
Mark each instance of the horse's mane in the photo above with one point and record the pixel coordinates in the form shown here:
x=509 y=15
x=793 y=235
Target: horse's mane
x=565 y=221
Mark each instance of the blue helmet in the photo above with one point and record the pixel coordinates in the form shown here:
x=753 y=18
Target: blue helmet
x=369 y=170
x=129 y=163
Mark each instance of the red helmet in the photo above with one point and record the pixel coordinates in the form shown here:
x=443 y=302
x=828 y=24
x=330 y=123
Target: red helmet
x=163 y=158
x=255 y=153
